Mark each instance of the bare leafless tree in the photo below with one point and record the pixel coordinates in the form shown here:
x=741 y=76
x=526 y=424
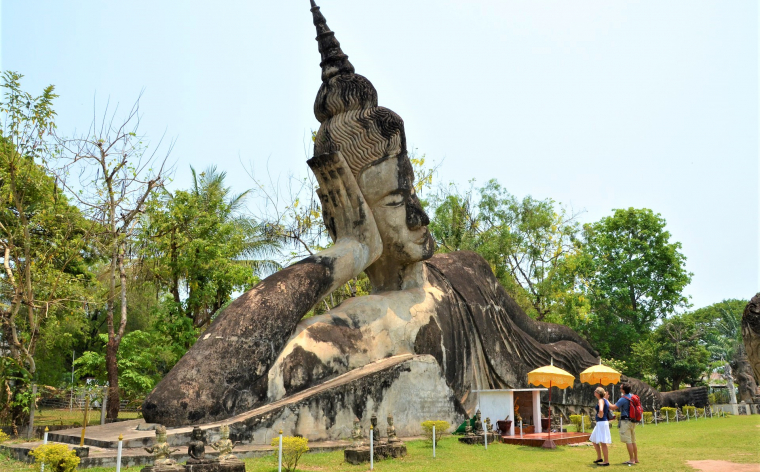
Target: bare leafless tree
x=111 y=172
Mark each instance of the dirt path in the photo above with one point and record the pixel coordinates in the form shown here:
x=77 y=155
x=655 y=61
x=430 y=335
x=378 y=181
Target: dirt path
x=723 y=466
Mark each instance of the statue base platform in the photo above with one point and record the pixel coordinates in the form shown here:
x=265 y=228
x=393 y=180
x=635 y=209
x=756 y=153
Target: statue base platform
x=360 y=455
x=216 y=466
x=477 y=439
x=164 y=468
x=201 y=466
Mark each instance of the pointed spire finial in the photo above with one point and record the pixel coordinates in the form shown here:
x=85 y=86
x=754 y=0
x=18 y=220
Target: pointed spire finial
x=334 y=61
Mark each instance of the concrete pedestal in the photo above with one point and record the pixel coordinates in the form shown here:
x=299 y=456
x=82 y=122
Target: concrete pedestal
x=477 y=439
x=360 y=455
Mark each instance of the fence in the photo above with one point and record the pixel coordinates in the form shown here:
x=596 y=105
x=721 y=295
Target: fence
x=66 y=408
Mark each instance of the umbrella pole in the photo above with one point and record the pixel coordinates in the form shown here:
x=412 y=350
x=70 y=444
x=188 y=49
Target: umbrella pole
x=549 y=444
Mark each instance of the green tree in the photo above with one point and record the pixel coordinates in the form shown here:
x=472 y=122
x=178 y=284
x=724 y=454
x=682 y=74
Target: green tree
x=41 y=241
x=143 y=360
x=531 y=244
x=634 y=275
x=198 y=243
x=681 y=358
x=117 y=174
x=721 y=325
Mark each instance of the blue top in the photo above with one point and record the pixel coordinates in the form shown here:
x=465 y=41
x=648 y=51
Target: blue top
x=606 y=410
x=624 y=404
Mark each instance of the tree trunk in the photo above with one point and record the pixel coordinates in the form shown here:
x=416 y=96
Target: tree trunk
x=112 y=405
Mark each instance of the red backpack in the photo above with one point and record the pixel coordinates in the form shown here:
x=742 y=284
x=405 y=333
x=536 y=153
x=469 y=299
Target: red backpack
x=635 y=411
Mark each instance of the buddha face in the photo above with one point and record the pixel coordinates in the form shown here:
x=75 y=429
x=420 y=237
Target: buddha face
x=388 y=187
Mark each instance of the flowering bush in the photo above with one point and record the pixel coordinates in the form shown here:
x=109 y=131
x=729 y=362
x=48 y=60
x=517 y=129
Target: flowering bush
x=57 y=457
x=292 y=450
x=668 y=412
x=576 y=420
x=440 y=429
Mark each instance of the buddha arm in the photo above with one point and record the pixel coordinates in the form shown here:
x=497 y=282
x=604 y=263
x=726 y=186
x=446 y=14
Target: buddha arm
x=225 y=372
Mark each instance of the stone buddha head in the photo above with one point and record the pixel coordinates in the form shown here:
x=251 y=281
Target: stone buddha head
x=372 y=141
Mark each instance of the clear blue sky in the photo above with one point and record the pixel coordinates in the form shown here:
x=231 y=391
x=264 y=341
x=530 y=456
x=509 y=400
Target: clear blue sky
x=597 y=104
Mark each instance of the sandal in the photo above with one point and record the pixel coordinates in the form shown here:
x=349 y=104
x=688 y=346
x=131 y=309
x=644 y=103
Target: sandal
x=604 y=464
x=598 y=461
x=629 y=463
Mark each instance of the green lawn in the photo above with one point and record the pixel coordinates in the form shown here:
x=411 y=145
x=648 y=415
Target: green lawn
x=661 y=448
x=65 y=417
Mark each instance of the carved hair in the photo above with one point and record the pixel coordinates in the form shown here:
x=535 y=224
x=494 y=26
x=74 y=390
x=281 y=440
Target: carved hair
x=346 y=105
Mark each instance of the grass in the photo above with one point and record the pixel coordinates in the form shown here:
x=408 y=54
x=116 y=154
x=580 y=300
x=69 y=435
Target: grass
x=661 y=448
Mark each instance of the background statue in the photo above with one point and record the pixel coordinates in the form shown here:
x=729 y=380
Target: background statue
x=161 y=450
x=224 y=446
x=449 y=306
x=196 y=448
x=751 y=333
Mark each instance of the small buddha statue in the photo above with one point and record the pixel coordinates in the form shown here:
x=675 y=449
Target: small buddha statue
x=488 y=424
x=196 y=448
x=357 y=437
x=160 y=450
x=375 y=431
x=224 y=446
x=392 y=431
x=477 y=427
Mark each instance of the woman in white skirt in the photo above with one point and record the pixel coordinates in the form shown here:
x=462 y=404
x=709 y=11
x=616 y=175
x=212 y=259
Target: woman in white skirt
x=600 y=436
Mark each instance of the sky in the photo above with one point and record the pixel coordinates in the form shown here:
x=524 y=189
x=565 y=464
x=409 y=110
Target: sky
x=595 y=104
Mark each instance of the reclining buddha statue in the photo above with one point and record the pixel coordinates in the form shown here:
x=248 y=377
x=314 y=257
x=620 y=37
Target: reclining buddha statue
x=448 y=306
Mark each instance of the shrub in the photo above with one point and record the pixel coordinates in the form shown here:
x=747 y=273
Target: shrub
x=576 y=420
x=440 y=429
x=669 y=412
x=700 y=412
x=3 y=437
x=690 y=410
x=648 y=417
x=292 y=450
x=57 y=457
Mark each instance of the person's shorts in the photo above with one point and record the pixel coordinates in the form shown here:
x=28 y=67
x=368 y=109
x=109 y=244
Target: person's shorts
x=627 y=432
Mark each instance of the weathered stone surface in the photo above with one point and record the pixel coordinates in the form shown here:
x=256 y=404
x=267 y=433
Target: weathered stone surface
x=745 y=379
x=215 y=466
x=474 y=439
x=360 y=455
x=751 y=333
x=164 y=468
x=409 y=386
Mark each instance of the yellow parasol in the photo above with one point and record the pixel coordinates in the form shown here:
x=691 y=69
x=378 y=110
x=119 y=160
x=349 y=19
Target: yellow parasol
x=600 y=374
x=550 y=376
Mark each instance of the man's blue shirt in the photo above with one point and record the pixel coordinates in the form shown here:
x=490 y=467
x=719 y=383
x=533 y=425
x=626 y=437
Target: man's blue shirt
x=624 y=405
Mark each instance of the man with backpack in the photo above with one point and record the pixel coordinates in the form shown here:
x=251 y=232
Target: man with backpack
x=630 y=414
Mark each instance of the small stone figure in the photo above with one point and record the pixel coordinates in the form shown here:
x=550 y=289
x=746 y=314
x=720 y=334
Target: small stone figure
x=357 y=437
x=392 y=431
x=224 y=446
x=161 y=451
x=518 y=418
x=196 y=448
x=477 y=427
x=488 y=424
x=374 y=430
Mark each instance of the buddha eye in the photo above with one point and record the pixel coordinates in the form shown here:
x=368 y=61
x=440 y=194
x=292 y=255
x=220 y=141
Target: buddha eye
x=395 y=201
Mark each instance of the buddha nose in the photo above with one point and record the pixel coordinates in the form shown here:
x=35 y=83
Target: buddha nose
x=415 y=215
